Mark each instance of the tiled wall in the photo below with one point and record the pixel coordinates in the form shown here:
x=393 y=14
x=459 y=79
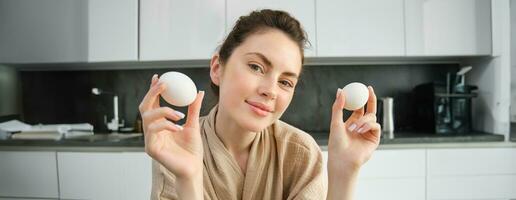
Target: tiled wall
x=65 y=96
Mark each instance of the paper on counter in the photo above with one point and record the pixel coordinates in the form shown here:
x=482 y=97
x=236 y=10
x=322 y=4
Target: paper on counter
x=14 y=126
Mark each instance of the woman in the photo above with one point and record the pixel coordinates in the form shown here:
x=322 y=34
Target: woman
x=241 y=150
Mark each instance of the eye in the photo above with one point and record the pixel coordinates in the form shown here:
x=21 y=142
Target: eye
x=256 y=68
x=286 y=83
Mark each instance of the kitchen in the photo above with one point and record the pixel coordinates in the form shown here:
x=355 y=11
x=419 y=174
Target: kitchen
x=54 y=52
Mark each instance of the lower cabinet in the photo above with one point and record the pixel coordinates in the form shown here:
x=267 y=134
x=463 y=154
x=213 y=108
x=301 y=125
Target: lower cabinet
x=438 y=174
x=114 y=175
x=26 y=174
x=415 y=174
x=464 y=174
x=392 y=174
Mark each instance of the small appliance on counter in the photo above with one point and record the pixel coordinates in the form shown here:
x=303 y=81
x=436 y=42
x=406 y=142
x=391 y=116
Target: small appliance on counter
x=445 y=108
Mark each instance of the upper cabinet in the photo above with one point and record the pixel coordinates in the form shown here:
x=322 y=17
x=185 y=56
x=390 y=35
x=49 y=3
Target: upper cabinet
x=347 y=28
x=112 y=30
x=57 y=31
x=180 y=30
x=302 y=10
x=448 y=28
x=43 y=31
x=54 y=31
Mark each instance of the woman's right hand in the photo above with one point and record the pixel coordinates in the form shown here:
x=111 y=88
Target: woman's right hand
x=177 y=148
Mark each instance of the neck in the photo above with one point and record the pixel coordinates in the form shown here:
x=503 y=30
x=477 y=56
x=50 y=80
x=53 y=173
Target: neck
x=236 y=139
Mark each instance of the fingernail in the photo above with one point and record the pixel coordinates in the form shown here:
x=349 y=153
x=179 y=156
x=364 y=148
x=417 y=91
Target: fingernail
x=360 y=130
x=179 y=127
x=352 y=127
x=180 y=114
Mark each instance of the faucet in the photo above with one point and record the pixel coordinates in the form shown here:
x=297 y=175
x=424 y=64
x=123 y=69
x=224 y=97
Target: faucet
x=115 y=122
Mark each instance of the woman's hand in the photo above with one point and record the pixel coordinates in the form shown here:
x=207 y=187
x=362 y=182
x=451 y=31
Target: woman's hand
x=350 y=145
x=353 y=141
x=178 y=148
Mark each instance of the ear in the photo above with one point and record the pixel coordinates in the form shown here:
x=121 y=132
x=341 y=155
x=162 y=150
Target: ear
x=215 y=69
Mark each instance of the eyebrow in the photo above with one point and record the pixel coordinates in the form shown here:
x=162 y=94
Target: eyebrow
x=269 y=63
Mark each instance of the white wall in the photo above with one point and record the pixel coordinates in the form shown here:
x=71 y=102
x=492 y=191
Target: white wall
x=492 y=106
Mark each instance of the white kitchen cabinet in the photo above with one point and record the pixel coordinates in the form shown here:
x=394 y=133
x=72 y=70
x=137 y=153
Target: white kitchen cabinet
x=56 y=31
x=347 y=28
x=390 y=173
x=43 y=31
x=180 y=30
x=481 y=173
x=112 y=30
x=448 y=28
x=102 y=175
x=28 y=174
x=303 y=11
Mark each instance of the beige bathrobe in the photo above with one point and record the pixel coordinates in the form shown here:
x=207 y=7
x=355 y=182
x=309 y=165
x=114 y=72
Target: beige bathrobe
x=284 y=163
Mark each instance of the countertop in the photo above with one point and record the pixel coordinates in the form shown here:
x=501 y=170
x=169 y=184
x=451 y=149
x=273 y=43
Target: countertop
x=401 y=140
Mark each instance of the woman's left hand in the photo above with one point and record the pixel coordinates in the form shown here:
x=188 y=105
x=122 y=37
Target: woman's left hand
x=353 y=141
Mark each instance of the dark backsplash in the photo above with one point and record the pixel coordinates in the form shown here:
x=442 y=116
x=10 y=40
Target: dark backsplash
x=65 y=96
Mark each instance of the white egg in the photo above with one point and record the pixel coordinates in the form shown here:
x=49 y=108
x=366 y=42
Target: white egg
x=356 y=96
x=180 y=89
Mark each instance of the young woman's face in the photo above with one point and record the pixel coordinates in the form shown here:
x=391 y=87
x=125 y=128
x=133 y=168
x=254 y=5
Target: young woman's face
x=258 y=80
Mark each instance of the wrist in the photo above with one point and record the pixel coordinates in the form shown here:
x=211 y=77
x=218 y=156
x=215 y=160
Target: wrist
x=343 y=168
x=190 y=187
x=341 y=181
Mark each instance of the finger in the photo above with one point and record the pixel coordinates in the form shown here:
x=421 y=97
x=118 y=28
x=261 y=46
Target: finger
x=194 y=111
x=373 y=133
x=350 y=122
x=154 y=80
x=160 y=113
x=371 y=102
x=338 y=105
x=162 y=125
x=151 y=98
x=370 y=117
x=356 y=115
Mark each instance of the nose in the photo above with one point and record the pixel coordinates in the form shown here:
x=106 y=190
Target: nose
x=268 y=88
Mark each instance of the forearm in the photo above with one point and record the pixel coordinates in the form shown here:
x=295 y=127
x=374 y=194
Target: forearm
x=190 y=188
x=341 y=183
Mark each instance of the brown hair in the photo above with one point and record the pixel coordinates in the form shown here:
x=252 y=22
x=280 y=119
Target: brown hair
x=261 y=20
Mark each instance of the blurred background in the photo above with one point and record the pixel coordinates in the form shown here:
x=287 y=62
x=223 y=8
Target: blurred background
x=444 y=73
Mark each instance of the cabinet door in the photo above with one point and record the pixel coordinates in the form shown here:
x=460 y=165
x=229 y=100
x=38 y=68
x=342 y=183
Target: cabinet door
x=112 y=30
x=303 y=11
x=444 y=28
x=55 y=31
x=389 y=173
x=347 y=28
x=180 y=30
x=28 y=174
x=481 y=173
x=84 y=175
x=43 y=31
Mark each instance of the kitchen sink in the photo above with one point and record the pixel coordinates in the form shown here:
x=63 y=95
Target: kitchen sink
x=106 y=137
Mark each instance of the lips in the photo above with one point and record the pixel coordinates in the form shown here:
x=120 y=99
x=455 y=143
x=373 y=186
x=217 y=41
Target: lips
x=260 y=106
